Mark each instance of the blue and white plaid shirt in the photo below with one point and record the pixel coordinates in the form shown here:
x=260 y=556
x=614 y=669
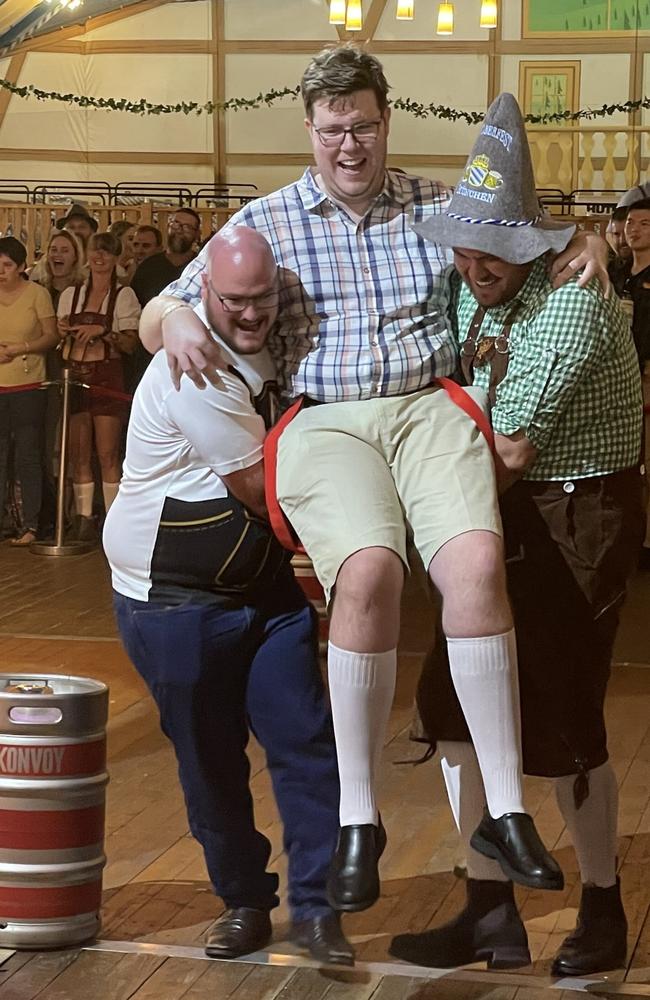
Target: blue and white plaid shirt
x=363 y=305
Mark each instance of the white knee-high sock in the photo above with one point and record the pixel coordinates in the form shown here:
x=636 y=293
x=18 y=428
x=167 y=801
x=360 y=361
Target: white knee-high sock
x=361 y=687
x=467 y=800
x=484 y=672
x=83 y=498
x=593 y=826
x=109 y=491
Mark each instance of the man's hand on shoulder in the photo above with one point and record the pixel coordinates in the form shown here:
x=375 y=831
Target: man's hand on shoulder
x=172 y=324
x=587 y=252
x=190 y=350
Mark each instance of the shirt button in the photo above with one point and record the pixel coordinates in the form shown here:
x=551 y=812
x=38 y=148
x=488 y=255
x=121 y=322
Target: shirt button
x=374 y=342
x=366 y=270
x=569 y=487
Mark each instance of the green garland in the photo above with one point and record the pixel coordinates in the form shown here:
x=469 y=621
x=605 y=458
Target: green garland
x=144 y=107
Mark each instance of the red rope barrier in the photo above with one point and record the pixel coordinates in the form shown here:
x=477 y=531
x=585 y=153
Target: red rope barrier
x=21 y=388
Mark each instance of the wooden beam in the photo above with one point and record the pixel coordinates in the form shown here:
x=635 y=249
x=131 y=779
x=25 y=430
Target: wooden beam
x=494 y=65
x=305 y=159
x=558 y=45
x=371 y=20
x=154 y=46
x=43 y=42
x=219 y=90
x=108 y=156
x=12 y=75
x=393 y=46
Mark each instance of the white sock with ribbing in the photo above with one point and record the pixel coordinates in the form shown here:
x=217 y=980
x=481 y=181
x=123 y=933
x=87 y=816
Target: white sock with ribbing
x=361 y=687
x=484 y=672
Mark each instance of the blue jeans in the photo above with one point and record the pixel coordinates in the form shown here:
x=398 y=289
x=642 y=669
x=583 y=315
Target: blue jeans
x=213 y=673
x=22 y=416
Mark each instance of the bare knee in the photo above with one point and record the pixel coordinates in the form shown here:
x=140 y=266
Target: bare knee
x=470 y=573
x=365 y=611
x=370 y=577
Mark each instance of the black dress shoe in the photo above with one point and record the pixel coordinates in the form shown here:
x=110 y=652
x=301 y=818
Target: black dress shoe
x=353 y=880
x=239 y=931
x=323 y=938
x=513 y=841
x=488 y=929
x=599 y=941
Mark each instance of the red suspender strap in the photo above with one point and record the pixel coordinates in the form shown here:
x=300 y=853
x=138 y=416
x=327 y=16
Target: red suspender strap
x=462 y=398
x=281 y=527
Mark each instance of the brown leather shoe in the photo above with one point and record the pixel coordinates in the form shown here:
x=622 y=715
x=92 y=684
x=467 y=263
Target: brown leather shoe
x=323 y=938
x=239 y=931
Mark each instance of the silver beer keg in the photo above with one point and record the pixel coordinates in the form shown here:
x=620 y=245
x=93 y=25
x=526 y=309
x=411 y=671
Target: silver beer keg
x=52 y=802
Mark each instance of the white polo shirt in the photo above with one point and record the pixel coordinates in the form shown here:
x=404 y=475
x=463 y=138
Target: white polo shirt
x=179 y=444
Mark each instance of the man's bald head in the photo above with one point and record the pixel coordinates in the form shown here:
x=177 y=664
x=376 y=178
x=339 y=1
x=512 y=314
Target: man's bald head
x=240 y=288
x=240 y=251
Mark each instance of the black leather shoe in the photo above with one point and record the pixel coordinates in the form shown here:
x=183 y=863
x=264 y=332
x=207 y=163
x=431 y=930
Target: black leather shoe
x=513 y=841
x=239 y=931
x=353 y=880
x=323 y=938
x=488 y=929
x=599 y=941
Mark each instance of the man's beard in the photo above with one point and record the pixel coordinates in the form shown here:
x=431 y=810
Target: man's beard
x=178 y=243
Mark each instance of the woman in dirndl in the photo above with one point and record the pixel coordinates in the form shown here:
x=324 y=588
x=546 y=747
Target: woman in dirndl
x=98 y=322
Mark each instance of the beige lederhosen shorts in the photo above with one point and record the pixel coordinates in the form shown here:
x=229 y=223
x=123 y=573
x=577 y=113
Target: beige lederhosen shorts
x=367 y=473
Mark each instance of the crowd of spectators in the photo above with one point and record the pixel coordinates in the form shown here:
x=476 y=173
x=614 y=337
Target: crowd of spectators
x=77 y=307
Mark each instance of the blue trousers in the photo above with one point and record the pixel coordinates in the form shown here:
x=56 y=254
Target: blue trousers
x=213 y=674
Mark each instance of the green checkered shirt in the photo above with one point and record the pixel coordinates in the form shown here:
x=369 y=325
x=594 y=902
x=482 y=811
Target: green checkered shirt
x=573 y=384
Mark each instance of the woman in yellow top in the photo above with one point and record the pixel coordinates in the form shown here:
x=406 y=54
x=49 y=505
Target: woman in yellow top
x=27 y=331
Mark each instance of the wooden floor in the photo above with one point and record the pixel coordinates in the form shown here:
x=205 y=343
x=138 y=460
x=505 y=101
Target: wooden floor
x=55 y=616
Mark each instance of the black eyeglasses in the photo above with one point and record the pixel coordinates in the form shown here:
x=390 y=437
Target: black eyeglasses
x=334 y=135
x=237 y=303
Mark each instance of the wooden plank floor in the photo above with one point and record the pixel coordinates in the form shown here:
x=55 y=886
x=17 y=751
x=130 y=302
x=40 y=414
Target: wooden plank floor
x=55 y=616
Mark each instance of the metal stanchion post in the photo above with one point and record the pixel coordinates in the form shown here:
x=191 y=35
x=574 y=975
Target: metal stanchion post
x=58 y=547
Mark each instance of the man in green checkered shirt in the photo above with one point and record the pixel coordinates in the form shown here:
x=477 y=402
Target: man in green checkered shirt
x=560 y=371
x=569 y=406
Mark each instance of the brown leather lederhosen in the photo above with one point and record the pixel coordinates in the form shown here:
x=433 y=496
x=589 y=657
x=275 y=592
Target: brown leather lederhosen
x=104 y=373
x=571 y=546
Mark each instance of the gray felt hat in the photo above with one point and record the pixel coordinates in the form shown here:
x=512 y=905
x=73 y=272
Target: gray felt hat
x=495 y=207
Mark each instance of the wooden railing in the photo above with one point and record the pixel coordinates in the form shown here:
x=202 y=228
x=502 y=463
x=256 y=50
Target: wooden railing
x=32 y=224
x=611 y=157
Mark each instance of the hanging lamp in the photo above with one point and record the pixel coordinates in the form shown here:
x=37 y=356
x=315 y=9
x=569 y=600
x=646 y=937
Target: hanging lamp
x=488 y=14
x=354 y=16
x=445 y=19
x=337 y=11
x=405 y=9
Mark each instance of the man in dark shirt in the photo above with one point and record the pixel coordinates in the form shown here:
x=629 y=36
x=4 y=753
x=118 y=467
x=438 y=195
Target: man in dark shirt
x=632 y=283
x=157 y=271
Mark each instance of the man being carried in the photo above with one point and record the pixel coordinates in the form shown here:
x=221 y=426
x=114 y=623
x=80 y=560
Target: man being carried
x=367 y=293
x=561 y=372
x=212 y=617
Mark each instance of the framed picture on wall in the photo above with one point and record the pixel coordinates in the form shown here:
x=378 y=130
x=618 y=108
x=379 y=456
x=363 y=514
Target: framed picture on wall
x=549 y=18
x=549 y=88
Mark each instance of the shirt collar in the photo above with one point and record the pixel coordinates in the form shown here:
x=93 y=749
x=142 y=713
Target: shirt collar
x=311 y=196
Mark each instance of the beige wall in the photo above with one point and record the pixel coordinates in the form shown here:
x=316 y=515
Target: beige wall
x=212 y=49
